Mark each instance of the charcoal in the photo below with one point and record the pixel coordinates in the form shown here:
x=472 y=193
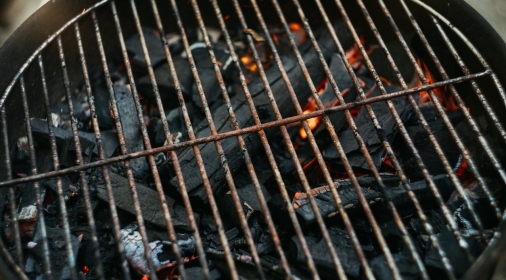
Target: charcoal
x=195 y=273
x=383 y=67
x=161 y=251
x=425 y=148
x=102 y=100
x=148 y=198
x=40 y=133
x=369 y=134
x=154 y=46
x=131 y=128
x=68 y=188
x=448 y=243
x=480 y=202
x=328 y=97
x=249 y=202
x=246 y=268
x=222 y=122
x=407 y=267
x=165 y=83
x=326 y=204
x=207 y=74
x=321 y=257
x=27 y=206
x=397 y=194
x=57 y=250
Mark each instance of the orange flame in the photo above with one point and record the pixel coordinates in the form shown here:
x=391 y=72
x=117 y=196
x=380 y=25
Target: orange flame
x=249 y=63
x=443 y=96
x=311 y=107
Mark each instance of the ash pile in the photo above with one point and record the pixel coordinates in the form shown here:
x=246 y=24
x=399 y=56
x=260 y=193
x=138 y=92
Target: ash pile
x=141 y=117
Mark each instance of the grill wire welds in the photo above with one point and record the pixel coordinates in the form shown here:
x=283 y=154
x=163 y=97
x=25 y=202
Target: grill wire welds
x=257 y=128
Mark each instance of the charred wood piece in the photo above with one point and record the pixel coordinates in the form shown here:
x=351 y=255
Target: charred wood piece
x=370 y=136
x=131 y=127
x=148 y=198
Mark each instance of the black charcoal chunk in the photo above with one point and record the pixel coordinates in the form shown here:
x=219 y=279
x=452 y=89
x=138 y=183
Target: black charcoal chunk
x=321 y=256
x=150 y=204
x=249 y=203
x=40 y=133
x=131 y=127
x=154 y=47
x=57 y=250
x=448 y=243
x=407 y=267
x=207 y=74
x=165 y=83
x=369 y=134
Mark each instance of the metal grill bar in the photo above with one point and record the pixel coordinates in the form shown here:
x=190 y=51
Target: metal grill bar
x=33 y=163
x=259 y=128
x=98 y=137
x=110 y=195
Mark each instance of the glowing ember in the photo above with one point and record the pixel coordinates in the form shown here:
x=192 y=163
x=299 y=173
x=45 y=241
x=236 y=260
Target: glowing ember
x=249 y=63
x=145 y=277
x=443 y=96
x=86 y=269
x=311 y=107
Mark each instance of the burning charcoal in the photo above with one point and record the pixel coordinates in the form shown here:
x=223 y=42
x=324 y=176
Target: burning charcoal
x=57 y=250
x=347 y=89
x=249 y=202
x=41 y=135
x=154 y=46
x=221 y=118
x=165 y=83
x=448 y=244
x=161 y=251
x=321 y=256
x=131 y=127
x=369 y=133
x=148 y=199
x=207 y=74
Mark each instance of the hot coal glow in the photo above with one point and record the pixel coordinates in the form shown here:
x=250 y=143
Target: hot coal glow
x=443 y=95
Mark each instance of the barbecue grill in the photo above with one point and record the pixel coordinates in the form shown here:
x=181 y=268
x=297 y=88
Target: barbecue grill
x=65 y=43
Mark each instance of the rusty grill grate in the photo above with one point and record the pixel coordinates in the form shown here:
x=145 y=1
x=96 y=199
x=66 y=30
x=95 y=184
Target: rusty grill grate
x=170 y=148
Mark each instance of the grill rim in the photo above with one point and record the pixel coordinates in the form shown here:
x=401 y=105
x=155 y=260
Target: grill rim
x=232 y=135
